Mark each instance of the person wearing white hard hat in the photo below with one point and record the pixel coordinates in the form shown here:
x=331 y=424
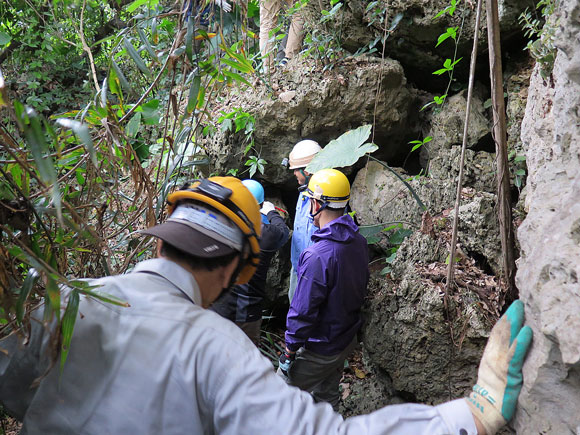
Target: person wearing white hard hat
x=300 y=156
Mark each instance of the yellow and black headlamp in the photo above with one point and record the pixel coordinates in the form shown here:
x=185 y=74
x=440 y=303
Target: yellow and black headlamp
x=231 y=198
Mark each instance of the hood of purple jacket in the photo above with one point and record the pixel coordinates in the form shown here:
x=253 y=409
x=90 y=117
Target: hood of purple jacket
x=324 y=314
x=342 y=229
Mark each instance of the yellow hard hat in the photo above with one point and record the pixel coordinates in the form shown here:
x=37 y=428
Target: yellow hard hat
x=330 y=187
x=233 y=200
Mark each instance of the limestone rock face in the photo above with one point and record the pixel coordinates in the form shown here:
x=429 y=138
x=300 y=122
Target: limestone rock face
x=478 y=229
x=378 y=196
x=322 y=108
x=550 y=240
x=412 y=30
x=408 y=337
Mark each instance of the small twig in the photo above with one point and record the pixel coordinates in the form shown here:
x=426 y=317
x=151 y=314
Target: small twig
x=87 y=48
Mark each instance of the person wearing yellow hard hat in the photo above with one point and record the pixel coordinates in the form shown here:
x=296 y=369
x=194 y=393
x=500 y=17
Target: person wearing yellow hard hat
x=325 y=313
x=301 y=155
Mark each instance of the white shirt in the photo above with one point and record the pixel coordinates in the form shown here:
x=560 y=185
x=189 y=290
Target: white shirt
x=165 y=365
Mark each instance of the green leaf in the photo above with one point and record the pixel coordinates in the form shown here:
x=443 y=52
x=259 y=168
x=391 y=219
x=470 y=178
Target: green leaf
x=124 y=83
x=80 y=178
x=189 y=39
x=237 y=77
x=67 y=326
x=371 y=232
x=456 y=62
x=36 y=140
x=115 y=84
x=53 y=294
x=136 y=58
x=82 y=132
x=343 y=151
x=442 y=38
x=399 y=236
x=136 y=4
x=147 y=45
x=440 y=71
x=31 y=279
x=4 y=38
x=133 y=125
x=237 y=65
x=85 y=288
x=193 y=93
x=201 y=97
x=150 y=112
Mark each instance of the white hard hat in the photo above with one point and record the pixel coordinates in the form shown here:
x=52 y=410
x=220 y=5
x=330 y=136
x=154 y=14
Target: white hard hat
x=302 y=153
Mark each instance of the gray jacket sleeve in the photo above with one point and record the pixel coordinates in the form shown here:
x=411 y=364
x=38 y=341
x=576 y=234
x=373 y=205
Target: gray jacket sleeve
x=23 y=360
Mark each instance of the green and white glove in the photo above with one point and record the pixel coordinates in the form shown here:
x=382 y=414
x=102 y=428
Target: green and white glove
x=499 y=380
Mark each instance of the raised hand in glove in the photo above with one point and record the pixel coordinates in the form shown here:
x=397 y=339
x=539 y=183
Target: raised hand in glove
x=286 y=360
x=499 y=380
x=267 y=207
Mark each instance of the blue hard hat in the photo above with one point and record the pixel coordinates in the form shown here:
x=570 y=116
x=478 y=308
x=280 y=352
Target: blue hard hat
x=256 y=189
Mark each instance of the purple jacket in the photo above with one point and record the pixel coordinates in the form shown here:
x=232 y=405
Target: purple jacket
x=333 y=274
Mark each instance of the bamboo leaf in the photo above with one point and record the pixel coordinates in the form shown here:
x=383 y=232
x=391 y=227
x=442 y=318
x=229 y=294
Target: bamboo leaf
x=114 y=84
x=189 y=40
x=237 y=65
x=147 y=45
x=38 y=145
x=31 y=279
x=201 y=97
x=136 y=58
x=104 y=94
x=193 y=94
x=67 y=326
x=82 y=132
x=343 y=151
x=53 y=294
x=85 y=288
x=237 y=77
x=124 y=83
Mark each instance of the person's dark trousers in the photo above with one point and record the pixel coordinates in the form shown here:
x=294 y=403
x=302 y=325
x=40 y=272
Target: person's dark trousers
x=319 y=374
x=252 y=330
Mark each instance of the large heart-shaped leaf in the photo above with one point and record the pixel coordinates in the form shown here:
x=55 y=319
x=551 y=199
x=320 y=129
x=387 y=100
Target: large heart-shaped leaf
x=343 y=151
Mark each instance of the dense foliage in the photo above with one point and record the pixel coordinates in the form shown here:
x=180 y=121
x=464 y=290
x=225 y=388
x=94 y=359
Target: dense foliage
x=103 y=103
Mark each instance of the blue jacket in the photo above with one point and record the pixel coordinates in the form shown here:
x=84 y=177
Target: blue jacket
x=303 y=229
x=324 y=315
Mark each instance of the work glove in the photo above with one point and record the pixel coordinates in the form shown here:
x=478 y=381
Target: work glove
x=267 y=207
x=286 y=360
x=499 y=380
x=224 y=5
